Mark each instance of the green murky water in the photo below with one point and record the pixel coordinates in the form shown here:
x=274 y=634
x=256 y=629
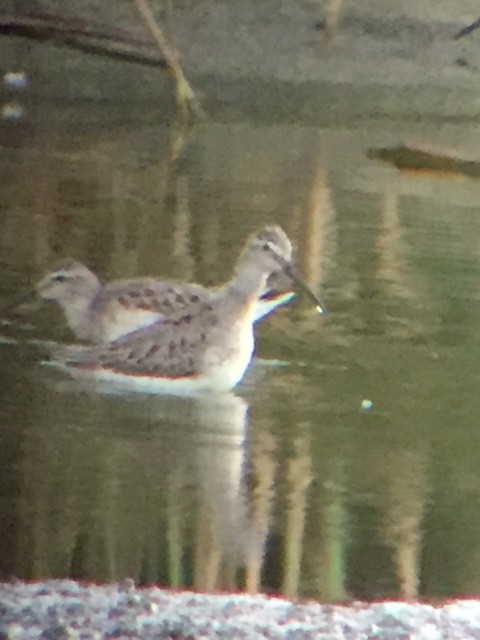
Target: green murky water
x=289 y=484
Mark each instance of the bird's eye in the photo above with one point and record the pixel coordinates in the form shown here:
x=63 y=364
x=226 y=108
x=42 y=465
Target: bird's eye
x=59 y=277
x=266 y=246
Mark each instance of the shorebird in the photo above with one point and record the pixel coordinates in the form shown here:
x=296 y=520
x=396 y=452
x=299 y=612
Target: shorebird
x=99 y=312
x=207 y=346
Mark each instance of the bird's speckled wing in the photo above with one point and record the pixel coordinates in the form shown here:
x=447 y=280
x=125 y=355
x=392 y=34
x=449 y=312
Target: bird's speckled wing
x=124 y=306
x=147 y=294
x=171 y=349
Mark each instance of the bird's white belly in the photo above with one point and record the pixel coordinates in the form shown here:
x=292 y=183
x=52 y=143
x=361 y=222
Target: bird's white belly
x=225 y=367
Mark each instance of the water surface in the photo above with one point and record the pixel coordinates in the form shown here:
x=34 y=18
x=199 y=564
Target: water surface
x=288 y=484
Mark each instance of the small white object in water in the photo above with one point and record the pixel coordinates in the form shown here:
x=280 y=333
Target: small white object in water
x=13 y=111
x=366 y=405
x=16 y=80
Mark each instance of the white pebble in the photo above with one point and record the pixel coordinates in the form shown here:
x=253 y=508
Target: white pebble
x=16 y=80
x=13 y=111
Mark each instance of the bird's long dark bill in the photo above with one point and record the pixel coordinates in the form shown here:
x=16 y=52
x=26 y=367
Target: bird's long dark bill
x=292 y=273
x=27 y=297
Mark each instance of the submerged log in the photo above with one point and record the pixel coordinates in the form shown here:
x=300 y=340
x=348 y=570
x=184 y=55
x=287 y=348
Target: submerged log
x=413 y=159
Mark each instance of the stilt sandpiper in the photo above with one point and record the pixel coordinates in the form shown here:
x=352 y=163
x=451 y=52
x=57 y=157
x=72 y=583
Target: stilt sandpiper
x=98 y=312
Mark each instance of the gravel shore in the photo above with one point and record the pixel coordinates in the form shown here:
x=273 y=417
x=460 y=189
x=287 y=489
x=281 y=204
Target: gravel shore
x=59 y=609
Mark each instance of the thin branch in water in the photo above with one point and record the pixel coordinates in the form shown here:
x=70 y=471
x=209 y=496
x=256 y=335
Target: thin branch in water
x=50 y=25
x=186 y=98
x=468 y=29
x=111 y=43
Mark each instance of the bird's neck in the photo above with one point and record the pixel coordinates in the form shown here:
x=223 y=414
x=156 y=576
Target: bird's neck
x=79 y=311
x=246 y=285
